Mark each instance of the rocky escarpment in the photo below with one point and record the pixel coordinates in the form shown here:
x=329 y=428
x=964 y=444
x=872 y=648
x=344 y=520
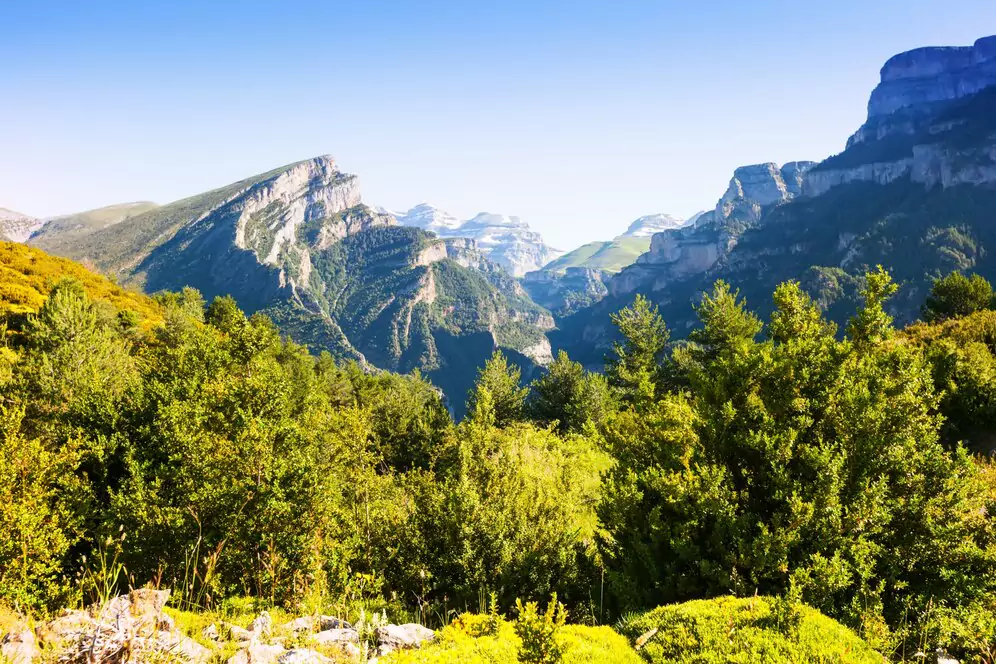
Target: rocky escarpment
x=508 y=241
x=566 y=292
x=298 y=244
x=933 y=74
x=17 y=227
x=683 y=252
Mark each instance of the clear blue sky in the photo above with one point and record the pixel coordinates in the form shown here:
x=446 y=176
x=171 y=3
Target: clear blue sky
x=577 y=116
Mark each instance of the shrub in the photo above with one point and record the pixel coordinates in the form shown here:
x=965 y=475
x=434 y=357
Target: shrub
x=729 y=629
x=468 y=640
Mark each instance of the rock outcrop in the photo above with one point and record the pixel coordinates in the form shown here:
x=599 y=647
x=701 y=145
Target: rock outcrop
x=683 y=252
x=17 y=227
x=135 y=628
x=934 y=74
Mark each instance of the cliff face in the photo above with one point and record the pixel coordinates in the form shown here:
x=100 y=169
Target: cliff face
x=17 y=227
x=915 y=191
x=934 y=74
x=299 y=245
x=683 y=252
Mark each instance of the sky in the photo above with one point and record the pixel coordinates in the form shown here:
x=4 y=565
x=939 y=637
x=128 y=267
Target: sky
x=576 y=116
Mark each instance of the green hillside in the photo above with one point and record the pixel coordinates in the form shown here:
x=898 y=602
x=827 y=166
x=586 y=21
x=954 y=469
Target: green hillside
x=610 y=256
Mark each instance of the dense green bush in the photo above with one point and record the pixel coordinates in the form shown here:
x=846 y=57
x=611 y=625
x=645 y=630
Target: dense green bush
x=207 y=454
x=756 y=629
x=800 y=463
x=471 y=640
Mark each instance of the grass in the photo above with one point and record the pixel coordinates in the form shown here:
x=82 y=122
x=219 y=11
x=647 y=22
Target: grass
x=610 y=256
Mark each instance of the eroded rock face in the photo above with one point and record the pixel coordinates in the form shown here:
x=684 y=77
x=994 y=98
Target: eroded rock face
x=17 y=227
x=932 y=74
x=683 y=252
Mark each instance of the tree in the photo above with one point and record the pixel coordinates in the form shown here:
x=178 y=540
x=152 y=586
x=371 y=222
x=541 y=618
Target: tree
x=570 y=396
x=635 y=369
x=727 y=325
x=955 y=296
x=503 y=382
x=872 y=324
x=801 y=463
x=41 y=505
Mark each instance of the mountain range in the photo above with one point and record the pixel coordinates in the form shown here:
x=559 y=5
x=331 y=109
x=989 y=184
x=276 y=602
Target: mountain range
x=506 y=240
x=912 y=189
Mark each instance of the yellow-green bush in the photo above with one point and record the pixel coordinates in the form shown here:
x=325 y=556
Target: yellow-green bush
x=469 y=639
x=756 y=630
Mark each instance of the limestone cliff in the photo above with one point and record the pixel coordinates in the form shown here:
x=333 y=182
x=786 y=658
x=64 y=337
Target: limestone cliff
x=17 y=227
x=683 y=252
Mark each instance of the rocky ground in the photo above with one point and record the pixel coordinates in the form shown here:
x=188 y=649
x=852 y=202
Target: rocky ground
x=135 y=628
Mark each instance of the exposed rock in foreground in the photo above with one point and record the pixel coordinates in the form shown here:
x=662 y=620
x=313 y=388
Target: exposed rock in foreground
x=134 y=628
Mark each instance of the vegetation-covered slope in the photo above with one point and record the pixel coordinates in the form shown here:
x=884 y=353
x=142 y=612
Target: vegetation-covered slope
x=610 y=256
x=27 y=275
x=298 y=244
x=774 y=459
x=923 y=216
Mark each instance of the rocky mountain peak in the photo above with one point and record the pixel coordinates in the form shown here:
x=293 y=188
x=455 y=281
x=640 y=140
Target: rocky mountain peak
x=933 y=74
x=428 y=217
x=17 y=227
x=756 y=186
x=506 y=240
x=649 y=224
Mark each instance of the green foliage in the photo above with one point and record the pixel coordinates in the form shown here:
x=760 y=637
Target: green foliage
x=503 y=382
x=570 y=396
x=800 y=463
x=609 y=256
x=955 y=296
x=469 y=639
x=40 y=507
x=224 y=461
x=872 y=324
x=729 y=629
x=636 y=366
x=538 y=631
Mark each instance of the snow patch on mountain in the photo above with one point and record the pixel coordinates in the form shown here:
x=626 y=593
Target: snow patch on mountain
x=649 y=224
x=504 y=239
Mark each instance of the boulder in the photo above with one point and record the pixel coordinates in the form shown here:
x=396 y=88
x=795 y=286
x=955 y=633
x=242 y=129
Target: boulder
x=68 y=624
x=257 y=653
x=19 y=647
x=303 y=656
x=237 y=633
x=147 y=601
x=186 y=648
x=331 y=622
x=302 y=624
x=336 y=636
x=262 y=625
x=211 y=632
x=398 y=637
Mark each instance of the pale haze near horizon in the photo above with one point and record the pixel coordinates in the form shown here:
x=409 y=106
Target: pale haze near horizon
x=577 y=117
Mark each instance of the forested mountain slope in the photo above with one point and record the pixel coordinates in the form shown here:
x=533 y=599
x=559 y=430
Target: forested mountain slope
x=915 y=190
x=298 y=243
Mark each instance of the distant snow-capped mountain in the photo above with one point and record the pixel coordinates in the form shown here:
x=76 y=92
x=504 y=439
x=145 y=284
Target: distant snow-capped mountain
x=506 y=240
x=653 y=223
